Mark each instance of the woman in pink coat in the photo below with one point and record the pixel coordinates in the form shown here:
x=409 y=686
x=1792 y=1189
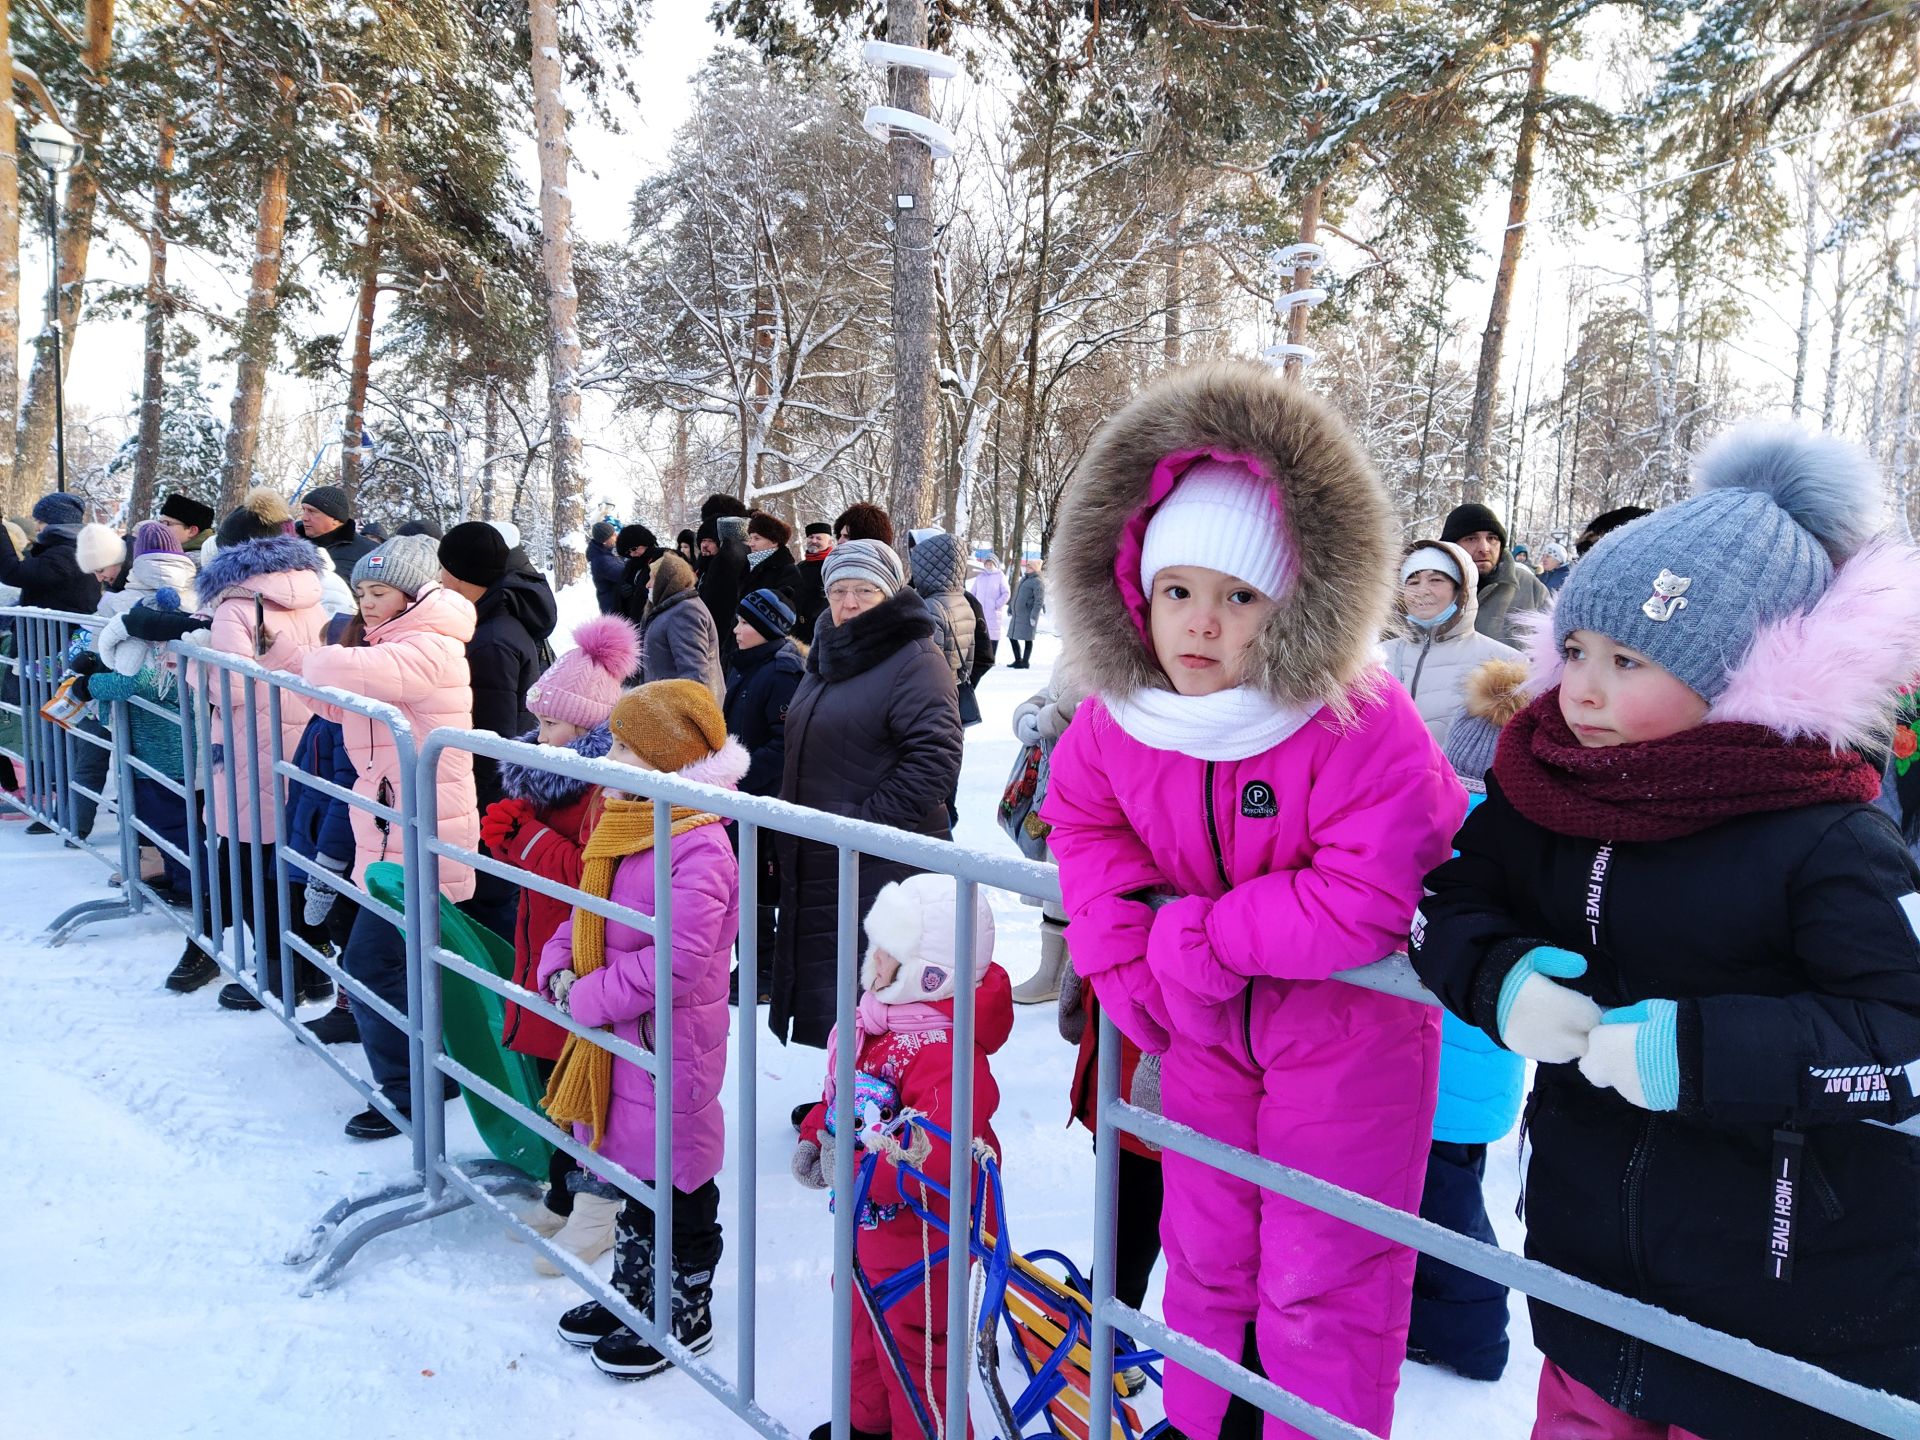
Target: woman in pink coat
x=1245 y=806
x=263 y=592
x=413 y=657
x=672 y=726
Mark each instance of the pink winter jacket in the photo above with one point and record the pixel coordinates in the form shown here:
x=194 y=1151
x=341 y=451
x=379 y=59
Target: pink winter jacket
x=278 y=631
x=619 y=995
x=417 y=662
x=1303 y=860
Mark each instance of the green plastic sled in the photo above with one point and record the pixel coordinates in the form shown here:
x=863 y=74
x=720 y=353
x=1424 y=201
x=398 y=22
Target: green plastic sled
x=471 y=1017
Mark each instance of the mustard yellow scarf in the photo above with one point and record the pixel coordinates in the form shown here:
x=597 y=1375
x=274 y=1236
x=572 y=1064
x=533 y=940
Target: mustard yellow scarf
x=582 y=1083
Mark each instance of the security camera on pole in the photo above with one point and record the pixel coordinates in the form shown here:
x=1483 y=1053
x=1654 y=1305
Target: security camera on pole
x=914 y=142
x=1297 y=264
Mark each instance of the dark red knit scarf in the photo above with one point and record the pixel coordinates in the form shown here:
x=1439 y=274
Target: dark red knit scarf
x=1663 y=789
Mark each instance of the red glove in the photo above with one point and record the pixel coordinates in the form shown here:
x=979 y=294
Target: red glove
x=502 y=822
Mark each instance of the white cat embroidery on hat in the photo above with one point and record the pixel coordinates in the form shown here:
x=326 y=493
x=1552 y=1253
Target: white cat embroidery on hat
x=1666 y=600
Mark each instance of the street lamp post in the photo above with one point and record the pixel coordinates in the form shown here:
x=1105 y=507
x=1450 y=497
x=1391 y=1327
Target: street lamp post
x=54 y=148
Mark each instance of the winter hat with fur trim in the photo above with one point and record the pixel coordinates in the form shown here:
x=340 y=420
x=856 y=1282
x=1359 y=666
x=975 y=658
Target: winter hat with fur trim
x=1220 y=516
x=407 y=563
x=262 y=515
x=670 y=724
x=1774 y=510
x=99 y=546
x=583 y=685
x=913 y=921
x=188 y=511
x=770 y=528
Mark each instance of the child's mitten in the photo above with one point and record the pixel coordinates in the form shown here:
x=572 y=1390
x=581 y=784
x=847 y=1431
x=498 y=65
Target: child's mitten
x=502 y=821
x=812 y=1164
x=320 y=897
x=1636 y=1050
x=160 y=625
x=1540 y=1019
x=558 y=984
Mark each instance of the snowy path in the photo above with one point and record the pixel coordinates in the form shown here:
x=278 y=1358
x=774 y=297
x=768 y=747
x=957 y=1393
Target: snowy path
x=163 y=1153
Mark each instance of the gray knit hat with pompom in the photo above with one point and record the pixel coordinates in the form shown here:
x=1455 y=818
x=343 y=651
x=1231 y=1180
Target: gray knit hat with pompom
x=1774 y=510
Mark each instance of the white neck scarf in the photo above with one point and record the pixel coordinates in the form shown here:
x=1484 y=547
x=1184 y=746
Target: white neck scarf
x=1232 y=724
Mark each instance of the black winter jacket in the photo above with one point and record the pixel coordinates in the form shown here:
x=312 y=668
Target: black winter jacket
x=49 y=574
x=723 y=580
x=809 y=596
x=779 y=572
x=507 y=653
x=1790 y=941
x=873 y=732
x=760 y=689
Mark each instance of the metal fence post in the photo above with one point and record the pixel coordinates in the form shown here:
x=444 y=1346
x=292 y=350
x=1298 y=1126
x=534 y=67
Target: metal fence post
x=232 y=841
x=748 y=1201
x=1106 y=1209
x=423 y=879
x=663 y=1076
x=960 y=1169
x=848 y=978
x=266 y=942
x=423 y=1090
x=289 y=961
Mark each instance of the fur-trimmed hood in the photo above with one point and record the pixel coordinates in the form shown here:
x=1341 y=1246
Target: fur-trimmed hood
x=1466 y=601
x=842 y=651
x=236 y=566
x=542 y=788
x=1318 y=645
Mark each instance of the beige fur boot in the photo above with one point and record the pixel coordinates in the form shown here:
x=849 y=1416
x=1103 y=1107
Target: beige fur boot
x=588 y=1232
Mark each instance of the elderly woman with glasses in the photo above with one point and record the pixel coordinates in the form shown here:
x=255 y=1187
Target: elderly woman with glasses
x=873 y=732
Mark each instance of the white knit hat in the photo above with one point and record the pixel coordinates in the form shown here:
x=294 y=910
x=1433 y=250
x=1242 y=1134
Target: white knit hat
x=1431 y=557
x=1220 y=516
x=912 y=920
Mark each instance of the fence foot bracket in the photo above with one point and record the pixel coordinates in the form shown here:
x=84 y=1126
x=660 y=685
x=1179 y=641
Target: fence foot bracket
x=336 y=1237
x=85 y=913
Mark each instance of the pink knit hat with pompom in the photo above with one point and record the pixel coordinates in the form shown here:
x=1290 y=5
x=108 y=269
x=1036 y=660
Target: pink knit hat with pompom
x=580 y=688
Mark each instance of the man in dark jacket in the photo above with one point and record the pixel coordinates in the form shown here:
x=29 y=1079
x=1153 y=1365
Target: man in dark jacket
x=809 y=594
x=605 y=566
x=1507 y=589
x=49 y=574
x=514 y=617
x=327 y=520
x=190 y=521
x=766 y=670
x=723 y=579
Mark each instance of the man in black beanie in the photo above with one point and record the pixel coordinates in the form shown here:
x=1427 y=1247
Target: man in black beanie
x=327 y=520
x=514 y=615
x=637 y=548
x=1506 y=590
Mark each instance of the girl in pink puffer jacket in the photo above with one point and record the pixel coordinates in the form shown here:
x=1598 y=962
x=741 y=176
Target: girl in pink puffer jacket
x=1245 y=805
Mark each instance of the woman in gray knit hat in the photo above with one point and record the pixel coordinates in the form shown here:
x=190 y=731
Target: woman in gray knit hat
x=873 y=732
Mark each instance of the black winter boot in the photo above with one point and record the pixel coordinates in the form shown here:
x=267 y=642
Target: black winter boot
x=195 y=969
x=854 y=1432
x=336 y=1027
x=625 y=1356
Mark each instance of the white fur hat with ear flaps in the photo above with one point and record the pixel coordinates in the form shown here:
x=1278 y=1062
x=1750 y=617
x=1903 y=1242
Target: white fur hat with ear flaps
x=913 y=921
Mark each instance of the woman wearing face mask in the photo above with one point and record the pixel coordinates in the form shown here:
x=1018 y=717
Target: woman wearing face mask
x=1437 y=647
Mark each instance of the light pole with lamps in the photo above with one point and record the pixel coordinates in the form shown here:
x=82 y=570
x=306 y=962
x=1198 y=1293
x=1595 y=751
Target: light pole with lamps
x=54 y=148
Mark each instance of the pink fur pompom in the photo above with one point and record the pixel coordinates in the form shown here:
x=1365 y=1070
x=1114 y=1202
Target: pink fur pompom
x=610 y=642
x=1830 y=672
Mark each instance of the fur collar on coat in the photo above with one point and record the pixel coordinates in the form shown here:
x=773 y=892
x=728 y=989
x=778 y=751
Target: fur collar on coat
x=842 y=651
x=1318 y=645
x=542 y=788
x=237 y=564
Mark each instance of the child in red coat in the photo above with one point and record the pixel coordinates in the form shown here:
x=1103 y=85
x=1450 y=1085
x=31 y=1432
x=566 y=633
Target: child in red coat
x=904 y=1035
x=540 y=826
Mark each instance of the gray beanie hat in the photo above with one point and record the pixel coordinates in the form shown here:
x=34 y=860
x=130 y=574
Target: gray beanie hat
x=867 y=560
x=1774 y=510
x=406 y=562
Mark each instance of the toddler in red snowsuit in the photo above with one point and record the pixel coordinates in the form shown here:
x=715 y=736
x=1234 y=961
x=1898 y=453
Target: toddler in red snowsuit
x=904 y=1037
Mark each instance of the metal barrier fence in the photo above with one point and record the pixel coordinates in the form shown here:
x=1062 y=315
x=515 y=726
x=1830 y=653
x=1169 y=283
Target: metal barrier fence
x=443 y=1182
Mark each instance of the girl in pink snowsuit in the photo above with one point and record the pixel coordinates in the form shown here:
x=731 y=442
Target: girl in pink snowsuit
x=1225 y=565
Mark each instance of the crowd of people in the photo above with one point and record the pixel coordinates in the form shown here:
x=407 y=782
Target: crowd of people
x=1647 y=819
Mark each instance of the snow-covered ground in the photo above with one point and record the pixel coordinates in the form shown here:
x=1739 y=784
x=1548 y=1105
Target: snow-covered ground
x=162 y=1154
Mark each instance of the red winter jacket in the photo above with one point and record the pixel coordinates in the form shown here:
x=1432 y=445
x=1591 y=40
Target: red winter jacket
x=548 y=845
